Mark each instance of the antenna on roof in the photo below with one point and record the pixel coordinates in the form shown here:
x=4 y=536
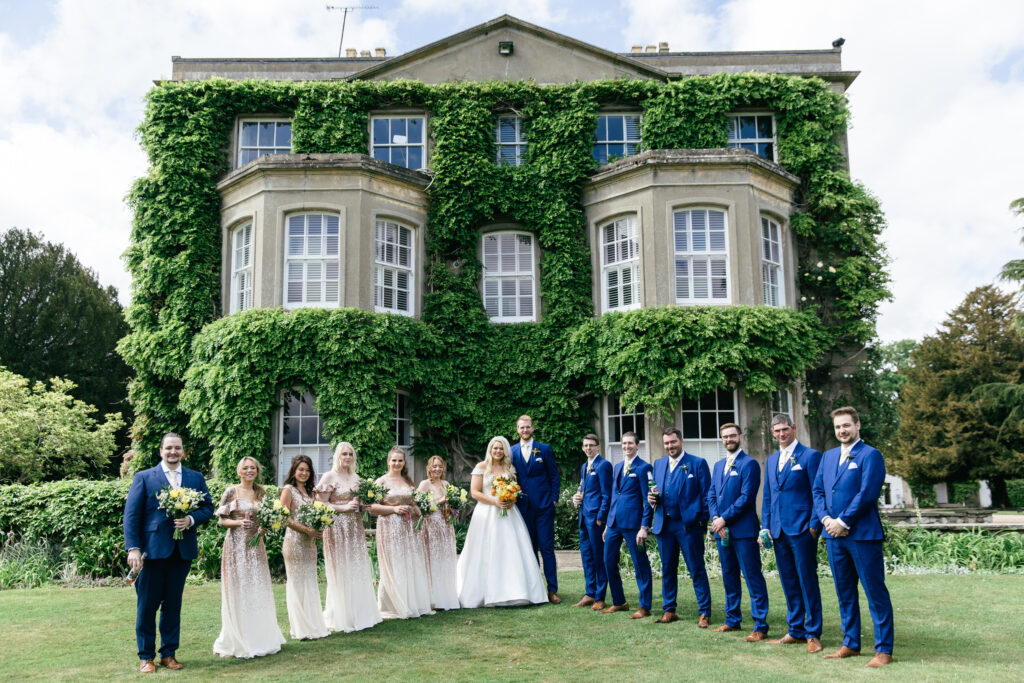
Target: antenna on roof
x=344 y=18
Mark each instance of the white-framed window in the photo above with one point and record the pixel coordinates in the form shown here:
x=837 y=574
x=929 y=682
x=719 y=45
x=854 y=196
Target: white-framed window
x=780 y=403
x=755 y=132
x=312 y=263
x=618 y=136
x=771 y=263
x=399 y=140
x=511 y=141
x=262 y=136
x=393 y=280
x=620 y=264
x=241 y=268
x=403 y=421
x=701 y=419
x=701 y=256
x=302 y=433
x=619 y=422
x=509 y=277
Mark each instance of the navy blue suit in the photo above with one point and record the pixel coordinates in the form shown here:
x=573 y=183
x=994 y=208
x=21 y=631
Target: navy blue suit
x=849 y=492
x=540 y=482
x=162 y=580
x=680 y=523
x=596 y=486
x=787 y=511
x=628 y=512
x=733 y=497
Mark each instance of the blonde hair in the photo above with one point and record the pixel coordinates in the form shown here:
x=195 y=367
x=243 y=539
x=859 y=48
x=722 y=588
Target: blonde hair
x=444 y=465
x=256 y=488
x=506 y=457
x=405 y=464
x=336 y=466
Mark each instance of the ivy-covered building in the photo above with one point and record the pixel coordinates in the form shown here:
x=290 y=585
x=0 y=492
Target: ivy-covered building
x=419 y=248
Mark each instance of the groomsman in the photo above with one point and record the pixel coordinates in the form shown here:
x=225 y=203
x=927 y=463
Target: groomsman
x=538 y=476
x=593 y=499
x=629 y=519
x=846 y=492
x=732 y=500
x=680 y=523
x=787 y=515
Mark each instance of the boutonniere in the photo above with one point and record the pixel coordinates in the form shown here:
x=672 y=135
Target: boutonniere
x=686 y=468
x=792 y=461
x=536 y=451
x=628 y=468
x=590 y=469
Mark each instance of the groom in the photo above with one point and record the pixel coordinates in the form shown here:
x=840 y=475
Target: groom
x=538 y=476
x=148 y=530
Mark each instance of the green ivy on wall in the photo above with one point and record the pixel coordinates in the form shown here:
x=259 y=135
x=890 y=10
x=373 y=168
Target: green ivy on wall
x=220 y=378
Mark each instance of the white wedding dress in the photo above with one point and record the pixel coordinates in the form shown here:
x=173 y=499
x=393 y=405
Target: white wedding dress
x=497 y=567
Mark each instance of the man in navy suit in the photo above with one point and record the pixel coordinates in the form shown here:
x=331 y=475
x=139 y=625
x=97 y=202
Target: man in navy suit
x=592 y=499
x=147 y=529
x=787 y=513
x=538 y=476
x=680 y=523
x=846 y=494
x=629 y=519
x=732 y=500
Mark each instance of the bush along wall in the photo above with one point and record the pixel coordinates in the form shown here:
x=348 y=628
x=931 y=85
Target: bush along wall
x=217 y=380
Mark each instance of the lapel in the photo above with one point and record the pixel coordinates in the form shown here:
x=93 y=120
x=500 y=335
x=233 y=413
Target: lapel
x=787 y=467
x=843 y=469
x=617 y=475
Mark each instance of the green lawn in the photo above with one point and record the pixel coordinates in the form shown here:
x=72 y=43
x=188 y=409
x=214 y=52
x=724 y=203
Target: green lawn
x=947 y=628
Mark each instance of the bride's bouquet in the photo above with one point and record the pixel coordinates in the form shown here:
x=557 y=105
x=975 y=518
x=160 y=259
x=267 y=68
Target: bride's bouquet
x=424 y=500
x=505 y=489
x=178 y=504
x=271 y=516
x=368 y=492
x=457 y=500
x=316 y=515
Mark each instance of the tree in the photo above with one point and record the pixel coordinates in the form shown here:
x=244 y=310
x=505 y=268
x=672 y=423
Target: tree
x=946 y=431
x=1013 y=271
x=876 y=386
x=46 y=434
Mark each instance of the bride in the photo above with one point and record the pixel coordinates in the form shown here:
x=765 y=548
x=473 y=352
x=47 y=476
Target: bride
x=497 y=566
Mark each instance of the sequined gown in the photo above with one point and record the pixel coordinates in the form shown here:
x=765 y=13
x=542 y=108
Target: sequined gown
x=350 y=604
x=305 y=615
x=248 y=619
x=404 y=590
x=439 y=546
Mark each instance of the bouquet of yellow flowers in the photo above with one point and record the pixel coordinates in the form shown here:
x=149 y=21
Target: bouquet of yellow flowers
x=457 y=499
x=316 y=515
x=504 y=489
x=424 y=500
x=271 y=516
x=179 y=503
x=369 y=492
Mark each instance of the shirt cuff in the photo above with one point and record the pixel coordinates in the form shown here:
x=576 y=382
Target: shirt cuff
x=191 y=522
x=842 y=523
x=131 y=549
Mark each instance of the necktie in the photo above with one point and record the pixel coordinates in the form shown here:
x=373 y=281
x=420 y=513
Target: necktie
x=783 y=459
x=672 y=462
x=175 y=483
x=525 y=452
x=845 y=455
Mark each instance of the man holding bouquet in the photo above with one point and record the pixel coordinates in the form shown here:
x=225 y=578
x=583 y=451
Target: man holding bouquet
x=150 y=531
x=538 y=475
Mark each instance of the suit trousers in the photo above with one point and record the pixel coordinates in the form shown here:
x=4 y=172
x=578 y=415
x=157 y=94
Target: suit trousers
x=642 y=565
x=160 y=586
x=541 y=525
x=852 y=560
x=592 y=554
x=675 y=537
x=743 y=554
x=797 y=560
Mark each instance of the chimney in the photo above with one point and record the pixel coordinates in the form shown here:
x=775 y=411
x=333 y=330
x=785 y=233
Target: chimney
x=364 y=53
x=350 y=52
x=651 y=49
x=379 y=52
x=636 y=49
x=662 y=47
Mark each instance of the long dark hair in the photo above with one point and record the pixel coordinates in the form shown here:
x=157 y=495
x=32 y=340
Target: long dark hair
x=292 y=481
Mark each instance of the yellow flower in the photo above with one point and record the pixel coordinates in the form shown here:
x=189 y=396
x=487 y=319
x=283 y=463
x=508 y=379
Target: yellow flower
x=175 y=493
x=369 y=494
x=276 y=526
x=285 y=510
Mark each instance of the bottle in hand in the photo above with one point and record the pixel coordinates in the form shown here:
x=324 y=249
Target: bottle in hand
x=133 y=575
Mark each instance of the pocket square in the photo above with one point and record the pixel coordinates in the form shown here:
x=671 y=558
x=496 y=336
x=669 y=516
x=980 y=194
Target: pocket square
x=734 y=473
x=795 y=468
x=689 y=476
x=540 y=459
x=633 y=474
x=853 y=466
x=593 y=474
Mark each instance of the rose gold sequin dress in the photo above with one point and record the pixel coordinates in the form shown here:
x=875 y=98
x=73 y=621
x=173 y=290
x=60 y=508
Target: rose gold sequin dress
x=439 y=545
x=404 y=590
x=305 y=615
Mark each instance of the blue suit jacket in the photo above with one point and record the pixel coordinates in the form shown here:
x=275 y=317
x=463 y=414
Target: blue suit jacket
x=597 y=491
x=851 y=492
x=148 y=528
x=539 y=479
x=733 y=495
x=683 y=494
x=788 y=503
x=629 y=507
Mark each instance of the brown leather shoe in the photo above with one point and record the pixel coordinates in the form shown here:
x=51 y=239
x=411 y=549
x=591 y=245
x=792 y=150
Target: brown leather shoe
x=725 y=628
x=598 y=606
x=842 y=653
x=756 y=636
x=585 y=601
x=171 y=663
x=624 y=607
x=641 y=613
x=880 y=659
x=667 y=618
x=813 y=645
x=703 y=621
x=553 y=598
x=146 y=666
x=786 y=640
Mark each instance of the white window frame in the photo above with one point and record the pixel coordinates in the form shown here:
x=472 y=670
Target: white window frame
x=780 y=402
x=318 y=448
x=713 y=261
x=516 y=144
x=620 y=260
x=773 y=292
x=630 y=145
x=399 y=142
x=274 y=146
x=402 y=402
x=394 y=259
x=618 y=422
x=757 y=142
x=520 y=276
x=240 y=298
x=708 y=445
x=320 y=255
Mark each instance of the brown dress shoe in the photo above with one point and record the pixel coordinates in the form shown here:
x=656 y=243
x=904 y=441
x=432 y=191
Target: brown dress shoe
x=725 y=628
x=667 y=618
x=756 y=636
x=598 y=606
x=786 y=640
x=880 y=659
x=553 y=598
x=171 y=663
x=146 y=666
x=842 y=653
x=813 y=645
x=585 y=601
x=624 y=607
x=703 y=621
x=641 y=613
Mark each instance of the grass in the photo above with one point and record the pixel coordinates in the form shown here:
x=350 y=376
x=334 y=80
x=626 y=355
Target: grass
x=948 y=627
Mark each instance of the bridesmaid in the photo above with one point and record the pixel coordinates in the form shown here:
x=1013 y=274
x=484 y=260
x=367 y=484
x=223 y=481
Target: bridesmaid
x=305 y=617
x=248 y=619
x=404 y=590
x=350 y=602
x=439 y=539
